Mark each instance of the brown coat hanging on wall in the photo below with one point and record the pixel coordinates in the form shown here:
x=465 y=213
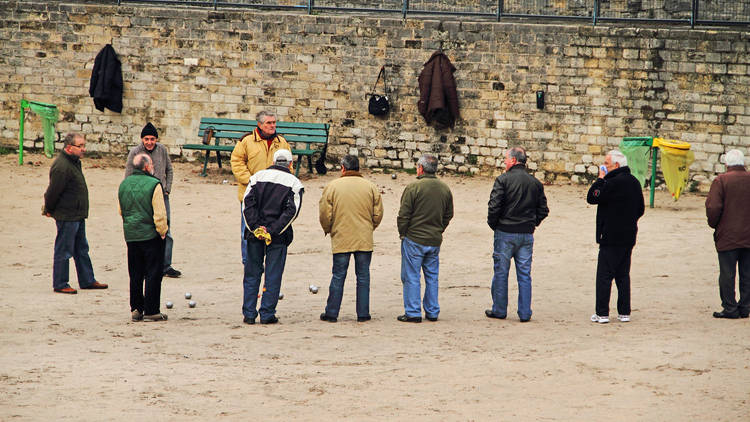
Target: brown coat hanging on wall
x=438 y=100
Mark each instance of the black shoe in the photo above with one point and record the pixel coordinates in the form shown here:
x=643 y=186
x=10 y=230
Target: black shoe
x=272 y=320
x=725 y=314
x=362 y=318
x=490 y=314
x=249 y=321
x=324 y=317
x=172 y=273
x=526 y=320
x=431 y=318
x=744 y=314
x=406 y=318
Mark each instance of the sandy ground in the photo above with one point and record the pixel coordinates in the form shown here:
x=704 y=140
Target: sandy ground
x=80 y=358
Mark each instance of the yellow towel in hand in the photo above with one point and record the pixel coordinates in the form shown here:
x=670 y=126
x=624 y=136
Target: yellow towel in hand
x=262 y=234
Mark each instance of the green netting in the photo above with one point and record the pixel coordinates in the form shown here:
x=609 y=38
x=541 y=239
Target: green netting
x=49 y=115
x=675 y=164
x=637 y=156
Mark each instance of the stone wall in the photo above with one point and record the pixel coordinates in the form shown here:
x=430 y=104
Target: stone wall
x=180 y=64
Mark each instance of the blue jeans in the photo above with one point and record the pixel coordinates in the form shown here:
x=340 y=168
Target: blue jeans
x=275 y=257
x=71 y=243
x=243 y=242
x=518 y=246
x=336 y=289
x=168 y=241
x=413 y=258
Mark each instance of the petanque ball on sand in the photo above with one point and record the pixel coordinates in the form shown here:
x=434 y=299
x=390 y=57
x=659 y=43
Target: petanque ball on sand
x=169 y=305
x=393 y=176
x=191 y=304
x=188 y=295
x=313 y=289
x=281 y=296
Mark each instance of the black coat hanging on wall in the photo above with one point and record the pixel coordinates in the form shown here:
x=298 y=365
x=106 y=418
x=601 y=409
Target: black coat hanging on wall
x=106 y=80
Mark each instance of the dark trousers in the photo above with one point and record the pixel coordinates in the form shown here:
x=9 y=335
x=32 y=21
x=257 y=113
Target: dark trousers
x=362 y=261
x=728 y=263
x=614 y=262
x=145 y=262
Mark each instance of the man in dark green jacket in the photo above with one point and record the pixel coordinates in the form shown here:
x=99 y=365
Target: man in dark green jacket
x=426 y=209
x=67 y=201
x=144 y=223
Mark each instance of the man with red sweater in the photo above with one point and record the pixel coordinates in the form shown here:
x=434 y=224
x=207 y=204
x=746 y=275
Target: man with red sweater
x=727 y=212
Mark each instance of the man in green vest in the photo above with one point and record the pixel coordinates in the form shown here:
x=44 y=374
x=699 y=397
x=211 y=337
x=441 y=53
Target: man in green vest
x=144 y=222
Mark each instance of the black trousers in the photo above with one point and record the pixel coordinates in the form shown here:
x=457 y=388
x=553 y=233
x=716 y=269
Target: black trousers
x=614 y=262
x=146 y=263
x=728 y=263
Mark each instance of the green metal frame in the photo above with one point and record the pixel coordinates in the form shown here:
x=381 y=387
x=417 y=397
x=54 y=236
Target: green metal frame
x=646 y=141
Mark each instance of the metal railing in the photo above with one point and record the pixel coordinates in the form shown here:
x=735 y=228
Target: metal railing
x=680 y=12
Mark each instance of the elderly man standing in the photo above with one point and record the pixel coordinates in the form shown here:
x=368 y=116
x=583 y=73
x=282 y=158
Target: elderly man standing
x=67 y=201
x=163 y=171
x=253 y=153
x=350 y=209
x=426 y=209
x=619 y=200
x=516 y=207
x=144 y=223
x=272 y=202
x=727 y=211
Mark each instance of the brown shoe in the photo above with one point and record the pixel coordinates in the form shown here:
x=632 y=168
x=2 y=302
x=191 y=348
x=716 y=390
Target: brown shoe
x=67 y=290
x=95 y=285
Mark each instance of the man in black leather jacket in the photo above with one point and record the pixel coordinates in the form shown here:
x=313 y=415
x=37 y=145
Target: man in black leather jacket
x=619 y=199
x=517 y=206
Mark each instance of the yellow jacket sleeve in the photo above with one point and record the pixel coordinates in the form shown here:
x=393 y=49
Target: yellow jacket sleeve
x=160 y=211
x=325 y=210
x=377 y=207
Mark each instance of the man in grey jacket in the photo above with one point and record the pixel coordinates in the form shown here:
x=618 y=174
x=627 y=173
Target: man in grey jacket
x=162 y=171
x=517 y=206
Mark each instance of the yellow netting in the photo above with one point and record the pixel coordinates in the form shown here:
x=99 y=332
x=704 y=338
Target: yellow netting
x=676 y=159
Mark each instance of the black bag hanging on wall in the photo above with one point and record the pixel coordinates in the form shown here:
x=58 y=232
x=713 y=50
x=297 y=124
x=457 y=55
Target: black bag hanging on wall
x=378 y=104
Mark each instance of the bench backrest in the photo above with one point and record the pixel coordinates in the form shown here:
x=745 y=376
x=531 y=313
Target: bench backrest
x=292 y=131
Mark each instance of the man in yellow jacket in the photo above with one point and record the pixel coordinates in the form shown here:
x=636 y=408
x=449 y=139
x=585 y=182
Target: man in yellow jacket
x=350 y=210
x=253 y=153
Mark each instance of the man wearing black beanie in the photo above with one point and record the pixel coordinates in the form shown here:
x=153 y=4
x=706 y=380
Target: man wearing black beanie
x=163 y=171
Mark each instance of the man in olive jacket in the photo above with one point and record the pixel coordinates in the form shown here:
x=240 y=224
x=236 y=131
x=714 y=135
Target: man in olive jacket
x=144 y=223
x=67 y=201
x=426 y=209
x=253 y=153
x=516 y=207
x=350 y=209
x=619 y=199
x=727 y=213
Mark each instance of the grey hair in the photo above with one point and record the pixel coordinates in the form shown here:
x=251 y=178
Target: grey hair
x=350 y=162
x=734 y=157
x=140 y=161
x=429 y=163
x=518 y=153
x=261 y=116
x=618 y=157
x=70 y=139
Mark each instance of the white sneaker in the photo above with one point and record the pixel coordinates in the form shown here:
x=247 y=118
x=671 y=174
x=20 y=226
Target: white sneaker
x=623 y=318
x=599 y=319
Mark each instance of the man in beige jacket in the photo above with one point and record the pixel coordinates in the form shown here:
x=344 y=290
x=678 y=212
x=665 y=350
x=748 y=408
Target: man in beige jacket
x=253 y=153
x=350 y=210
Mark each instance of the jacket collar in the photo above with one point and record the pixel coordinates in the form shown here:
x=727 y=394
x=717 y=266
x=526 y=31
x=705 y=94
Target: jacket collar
x=735 y=168
x=351 y=173
x=142 y=173
x=518 y=166
x=615 y=172
x=427 y=175
x=73 y=159
x=259 y=136
x=280 y=168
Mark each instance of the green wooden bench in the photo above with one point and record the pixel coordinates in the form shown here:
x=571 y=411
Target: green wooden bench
x=312 y=137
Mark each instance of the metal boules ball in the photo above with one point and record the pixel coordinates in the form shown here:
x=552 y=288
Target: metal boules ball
x=191 y=304
x=313 y=289
x=281 y=296
x=169 y=305
x=188 y=295
x=393 y=176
